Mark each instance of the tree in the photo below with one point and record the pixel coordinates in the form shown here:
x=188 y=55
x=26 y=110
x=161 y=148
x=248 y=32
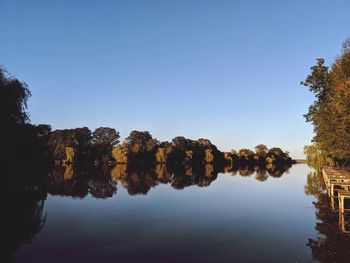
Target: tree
x=14 y=95
x=139 y=137
x=105 y=136
x=245 y=154
x=78 y=138
x=183 y=143
x=120 y=153
x=69 y=154
x=315 y=157
x=161 y=156
x=261 y=150
x=330 y=112
x=276 y=151
x=205 y=142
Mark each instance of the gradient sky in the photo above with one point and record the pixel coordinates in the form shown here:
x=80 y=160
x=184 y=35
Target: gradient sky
x=228 y=71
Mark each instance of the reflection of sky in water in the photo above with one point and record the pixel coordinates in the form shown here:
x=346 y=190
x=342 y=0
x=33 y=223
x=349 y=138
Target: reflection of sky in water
x=234 y=219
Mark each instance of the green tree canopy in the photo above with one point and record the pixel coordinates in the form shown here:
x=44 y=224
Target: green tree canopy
x=330 y=112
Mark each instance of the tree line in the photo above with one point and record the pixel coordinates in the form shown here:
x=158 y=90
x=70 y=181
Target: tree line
x=330 y=112
x=103 y=147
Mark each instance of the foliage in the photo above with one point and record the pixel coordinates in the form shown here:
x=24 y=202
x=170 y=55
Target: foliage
x=330 y=112
x=105 y=136
x=261 y=150
x=69 y=154
x=79 y=139
x=120 y=154
x=14 y=95
x=316 y=158
x=245 y=154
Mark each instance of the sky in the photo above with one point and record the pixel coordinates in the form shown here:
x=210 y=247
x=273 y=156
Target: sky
x=228 y=71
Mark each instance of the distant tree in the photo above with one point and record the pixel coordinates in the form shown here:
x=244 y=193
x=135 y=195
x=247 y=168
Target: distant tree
x=69 y=154
x=105 y=136
x=165 y=149
x=228 y=157
x=205 y=142
x=78 y=138
x=152 y=145
x=161 y=156
x=183 y=143
x=234 y=152
x=120 y=154
x=81 y=137
x=261 y=150
x=139 y=137
x=102 y=141
x=142 y=147
x=276 y=151
x=245 y=154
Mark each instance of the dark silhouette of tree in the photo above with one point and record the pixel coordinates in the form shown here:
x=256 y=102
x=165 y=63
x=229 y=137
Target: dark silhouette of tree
x=183 y=144
x=140 y=138
x=22 y=219
x=102 y=143
x=79 y=139
x=104 y=136
x=14 y=95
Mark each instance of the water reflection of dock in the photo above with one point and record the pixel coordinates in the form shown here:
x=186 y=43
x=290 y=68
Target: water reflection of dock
x=338 y=188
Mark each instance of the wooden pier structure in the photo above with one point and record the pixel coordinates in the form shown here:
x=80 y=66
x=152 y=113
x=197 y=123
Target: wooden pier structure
x=338 y=188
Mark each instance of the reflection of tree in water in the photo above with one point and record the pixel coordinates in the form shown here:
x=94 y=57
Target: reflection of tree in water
x=139 y=182
x=101 y=187
x=163 y=175
x=314 y=185
x=330 y=245
x=262 y=172
x=80 y=182
x=102 y=183
x=261 y=175
x=200 y=176
x=246 y=171
x=59 y=184
x=21 y=206
x=22 y=219
x=118 y=172
x=277 y=171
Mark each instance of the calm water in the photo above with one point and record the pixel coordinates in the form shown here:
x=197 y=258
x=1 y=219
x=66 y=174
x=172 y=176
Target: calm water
x=227 y=218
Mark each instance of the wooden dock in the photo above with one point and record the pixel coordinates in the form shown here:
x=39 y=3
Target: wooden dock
x=338 y=188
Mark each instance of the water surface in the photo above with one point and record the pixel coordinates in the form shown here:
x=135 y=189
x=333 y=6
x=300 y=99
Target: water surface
x=226 y=218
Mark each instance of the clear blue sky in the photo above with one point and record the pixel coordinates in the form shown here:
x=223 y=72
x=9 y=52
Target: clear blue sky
x=228 y=71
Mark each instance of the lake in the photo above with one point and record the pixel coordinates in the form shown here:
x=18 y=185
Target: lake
x=230 y=217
